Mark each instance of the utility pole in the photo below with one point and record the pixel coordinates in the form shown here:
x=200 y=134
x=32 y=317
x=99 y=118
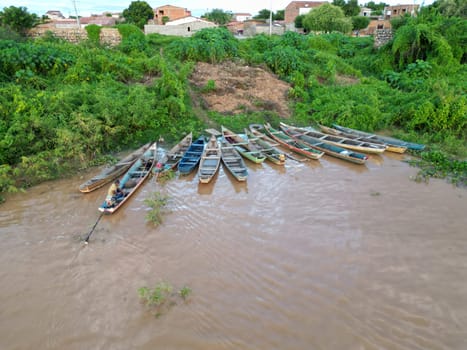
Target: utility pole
x=76 y=12
x=270 y=19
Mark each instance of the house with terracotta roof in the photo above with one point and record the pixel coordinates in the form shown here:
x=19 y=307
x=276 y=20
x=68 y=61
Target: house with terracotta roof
x=166 y=13
x=297 y=8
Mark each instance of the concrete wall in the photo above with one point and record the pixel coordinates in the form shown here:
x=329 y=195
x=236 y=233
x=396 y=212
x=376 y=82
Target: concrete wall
x=186 y=29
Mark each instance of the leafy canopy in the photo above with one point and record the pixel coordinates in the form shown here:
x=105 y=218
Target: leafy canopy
x=218 y=16
x=360 y=22
x=138 y=13
x=327 y=18
x=18 y=19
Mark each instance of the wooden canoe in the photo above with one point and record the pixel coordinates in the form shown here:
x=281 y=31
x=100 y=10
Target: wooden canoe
x=271 y=153
x=192 y=156
x=357 y=146
x=171 y=159
x=385 y=139
x=327 y=148
x=210 y=161
x=269 y=141
x=294 y=145
x=244 y=147
x=389 y=147
x=133 y=179
x=233 y=161
x=112 y=172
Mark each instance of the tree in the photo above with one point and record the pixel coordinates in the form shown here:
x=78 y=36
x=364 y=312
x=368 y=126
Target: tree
x=299 y=21
x=138 y=13
x=218 y=16
x=351 y=8
x=452 y=8
x=339 y=3
x=263 y=14
x=360 y=22
x=327 y=18
x=376 y=7
x=18 y=19
x=279 y=15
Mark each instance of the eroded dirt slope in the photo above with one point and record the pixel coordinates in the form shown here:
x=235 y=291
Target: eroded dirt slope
x=241 y=88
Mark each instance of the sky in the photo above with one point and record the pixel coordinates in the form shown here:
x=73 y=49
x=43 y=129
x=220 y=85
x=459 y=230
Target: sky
x=197 y=7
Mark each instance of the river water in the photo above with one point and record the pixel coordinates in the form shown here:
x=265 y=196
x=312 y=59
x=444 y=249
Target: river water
x=316 y=255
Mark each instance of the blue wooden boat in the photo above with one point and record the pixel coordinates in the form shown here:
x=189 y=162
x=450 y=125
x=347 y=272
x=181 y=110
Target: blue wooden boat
x=327 y=148
x=385 y=139
x=171 y=159
x=192 y=156
x=132 y=180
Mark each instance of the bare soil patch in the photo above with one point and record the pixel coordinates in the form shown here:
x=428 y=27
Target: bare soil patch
x=240 y=89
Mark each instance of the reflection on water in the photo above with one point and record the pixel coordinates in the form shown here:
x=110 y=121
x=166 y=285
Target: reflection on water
x=313 y=255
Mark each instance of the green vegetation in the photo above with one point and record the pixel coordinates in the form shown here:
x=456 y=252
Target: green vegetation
x=218 y=16
x=327 y=18
x=64 y=107
x=138 y=13
x=161 y=298
x=157 y=203
x=17 y=19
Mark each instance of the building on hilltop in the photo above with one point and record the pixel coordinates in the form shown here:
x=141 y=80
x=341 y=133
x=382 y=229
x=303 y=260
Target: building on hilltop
x=400 y=10
x=166 y=13
x=242 y=17
x=365 y=12
x=185 y=26
x=297 y=8
x=54 y=15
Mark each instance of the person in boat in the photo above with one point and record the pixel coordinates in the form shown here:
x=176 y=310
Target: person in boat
x=114 y=194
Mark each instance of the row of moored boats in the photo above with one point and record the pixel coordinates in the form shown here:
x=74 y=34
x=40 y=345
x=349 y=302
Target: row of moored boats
x=257 y=144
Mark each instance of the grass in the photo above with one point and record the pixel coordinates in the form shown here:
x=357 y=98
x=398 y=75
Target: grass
x=162 y=297
x=157 y=202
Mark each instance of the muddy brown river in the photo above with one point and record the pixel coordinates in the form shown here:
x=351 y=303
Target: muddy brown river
x=318 y=255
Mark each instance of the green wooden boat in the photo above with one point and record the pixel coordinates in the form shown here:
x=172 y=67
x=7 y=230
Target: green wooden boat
x=244 y=147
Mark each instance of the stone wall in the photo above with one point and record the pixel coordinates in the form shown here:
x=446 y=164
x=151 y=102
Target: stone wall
x=382 y=37
x=109 y=36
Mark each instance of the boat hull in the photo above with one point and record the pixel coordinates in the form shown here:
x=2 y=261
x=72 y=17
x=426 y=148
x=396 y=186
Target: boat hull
x=133 y=179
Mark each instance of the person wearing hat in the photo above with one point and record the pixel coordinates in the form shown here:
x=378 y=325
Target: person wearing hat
x=113 y=194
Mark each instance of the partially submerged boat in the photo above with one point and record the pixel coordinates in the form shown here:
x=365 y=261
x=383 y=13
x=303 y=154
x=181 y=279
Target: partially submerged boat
x=243 y=146
x=132 y=180
x=293 y=144
x=354 y=145
x=271 y=153
x=171 y=159
x=389 y=147
x=385 y=139
x=327 y=148
x=112 y=172
x=233 y=161
x=192 y=156
x=210 y=161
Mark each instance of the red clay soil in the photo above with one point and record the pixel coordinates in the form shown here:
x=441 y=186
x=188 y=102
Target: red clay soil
x=240 y=89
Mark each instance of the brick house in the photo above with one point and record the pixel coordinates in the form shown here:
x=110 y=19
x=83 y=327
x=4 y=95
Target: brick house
x=297 y=8
x=400 y=10
x=171 y=12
